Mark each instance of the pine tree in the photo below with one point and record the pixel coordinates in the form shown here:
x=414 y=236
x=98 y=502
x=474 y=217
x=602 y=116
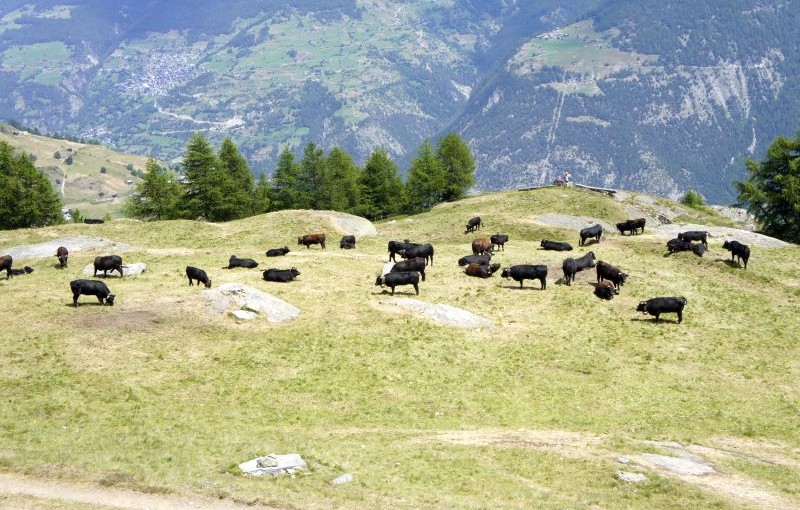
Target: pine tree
x=381 y=187
x=458 y=166
x=340 y=190
x=311 y=177
x=425 y=185
x=201 y=167
x=237 y=184
x=285 y=194
x=27 y=199
x=159 y=195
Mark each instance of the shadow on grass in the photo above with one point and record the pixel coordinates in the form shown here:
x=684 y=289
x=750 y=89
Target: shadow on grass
x=730 y=263
x=385 y=292
x=653 y=320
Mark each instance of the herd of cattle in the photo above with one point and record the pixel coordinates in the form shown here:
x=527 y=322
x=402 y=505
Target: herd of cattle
x=417 y=256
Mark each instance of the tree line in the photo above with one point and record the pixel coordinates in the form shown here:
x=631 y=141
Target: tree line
x=219 y=186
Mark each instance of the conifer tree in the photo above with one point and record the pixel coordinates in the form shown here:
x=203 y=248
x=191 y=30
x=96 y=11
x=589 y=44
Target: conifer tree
x=202 y=168
x=340 y=190
x=27 y=199
x=425 y=185
x=381 y=187
x=237 y=184
x=458 y=166
x=285 y=194
x=311 y=177
x=159 y=195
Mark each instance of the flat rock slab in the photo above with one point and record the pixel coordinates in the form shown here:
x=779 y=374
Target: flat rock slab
x=627 y=476
x=235 y=296
x=442 y=314
x=681 y=466
x=719 y=234
x=73 y=244
x=572 y=222
x=274 y=465
x=134 y=269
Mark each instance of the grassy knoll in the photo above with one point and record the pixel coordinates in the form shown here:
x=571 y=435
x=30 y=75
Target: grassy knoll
x=155 y=394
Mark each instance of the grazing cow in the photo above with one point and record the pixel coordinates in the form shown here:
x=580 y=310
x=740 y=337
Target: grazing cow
x=694 y=235
x=631 y=226
x=62 y=253
x=107 y=263
x=474 y=224
x=677 y=245
x=234 y=261
x=398 y=246
x=5 y=263
x=481 y=270
x=482 y=246
x=423 y=250
x=605 y=290
x=93 y=221
x=658 y=305
x=477 y=259
x=594 y=231
x=555 y=245
x=347 y=242
x=393 y=280
x=24 y=270
x=416 y=264
x=738 y=249
x=91 y=288
x=523 y=272
x=606 y=271
x=278 y=252
x=499 y=240
x=198 y=274
x=309 y=239
x=572 y=266
x=280 y=275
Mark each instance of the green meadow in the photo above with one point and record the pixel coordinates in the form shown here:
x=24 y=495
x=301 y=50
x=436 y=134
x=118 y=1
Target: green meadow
x=159 y=395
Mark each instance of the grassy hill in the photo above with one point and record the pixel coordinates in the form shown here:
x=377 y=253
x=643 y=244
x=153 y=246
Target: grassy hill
x=82 y=183
x=157 y=395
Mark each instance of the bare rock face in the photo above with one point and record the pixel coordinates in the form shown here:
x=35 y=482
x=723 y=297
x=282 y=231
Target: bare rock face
x=230 y=297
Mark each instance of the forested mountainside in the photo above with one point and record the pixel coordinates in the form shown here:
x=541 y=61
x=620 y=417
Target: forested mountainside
x=655 y=96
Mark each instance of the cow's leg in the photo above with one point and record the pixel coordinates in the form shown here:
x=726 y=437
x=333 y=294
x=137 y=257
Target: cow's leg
x=657 y=318
x=100 y=298
x=680 y=316
x=392 y=287
x=544 y=283
x=75 y=299
x=423 y=274
x=190 y=281
x=416 y=289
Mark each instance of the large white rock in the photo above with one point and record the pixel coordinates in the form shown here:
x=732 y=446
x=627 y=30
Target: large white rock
x=274 y=465
x=235 y=296
x=443 y=314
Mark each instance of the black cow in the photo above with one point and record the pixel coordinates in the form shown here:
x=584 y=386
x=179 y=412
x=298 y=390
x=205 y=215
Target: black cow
x=606 y=271
x=694 y=235
x=594 y=231
x=555 y=245
x=393 y=280
x=423 y=250
x=476 y=259
x=24 y=270
x=605 y=290
x=5 y=263
x=107 y=263
x=309 y=239
x=481 y=270
x=499 y=240
x=678 y=245
x=416 y=264
x=571 y=266
x=91 y=288
x=280 y=275
x=93 y=221
x=347 y=242
x=482 y=246
x=234 y=261
x=631 y=226
x=396 y=247
x=278 y=252
x=63 y=254
x=473 y=224
x=523 y=272
x=198 y=274
x=658 y=305
x=738 y=249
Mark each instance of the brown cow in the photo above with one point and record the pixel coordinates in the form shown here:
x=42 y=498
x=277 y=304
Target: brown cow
x=62 y=253
x=481 y=246
x=5 y=263
x=309 y=239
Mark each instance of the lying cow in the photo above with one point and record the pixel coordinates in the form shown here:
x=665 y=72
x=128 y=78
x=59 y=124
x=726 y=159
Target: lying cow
x=347 y=242
x=605 y=290
x=606 y=271
x=481 y=270
x=5 y=263
x=280 y=275
x=572 y=266
x=499 y=240
x=416 y=264
x=24 y=270
x=278 y=252
x=658 y=305
x=555 y=245
x=309 y=239
x=395 y=247
x=235 y=261
x=93 y=221
x=91 y=288
x=677 y=245
x=423 y=250
x=595 y=231
x=631 y=226
x=737 y=249
x=482 y=246
x=63 y=254
x=195 y=273
x=473 y=224
x=522 y=272
x=393 y=280
x=484 y=259
x=107 y=263
x=694 y=235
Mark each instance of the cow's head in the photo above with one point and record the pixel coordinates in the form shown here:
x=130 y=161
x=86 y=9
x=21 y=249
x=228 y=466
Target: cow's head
x=208 y=284
x=295 y=272
x=110 y=300
x=299 y=240
x=642 y=307
x=379 y=281
x=622 y=277
x=506 y=273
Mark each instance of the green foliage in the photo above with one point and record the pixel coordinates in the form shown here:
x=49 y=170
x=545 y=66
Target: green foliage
x=236 y=182
x=77 y=216
x=158 y=195
x=381 y=187
x=57 y=155
x=771 y=189
x=340 y=190
x=69 y=160
x=426 y=181
x=311 y=177
x=458 y=166
x=285 y=194
x=26 y=197
x=103 y=170
x=692 y=199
